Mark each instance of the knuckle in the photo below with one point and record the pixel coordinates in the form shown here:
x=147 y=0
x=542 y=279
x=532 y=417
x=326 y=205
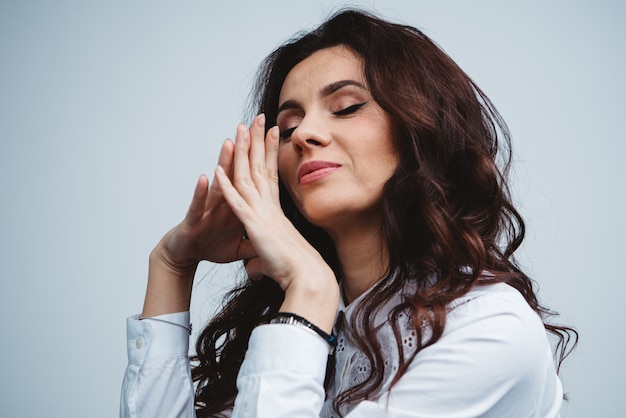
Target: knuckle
x=273 y=176
x=243 y=182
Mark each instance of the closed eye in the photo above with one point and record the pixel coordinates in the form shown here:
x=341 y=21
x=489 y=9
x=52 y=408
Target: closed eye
x=286 y=134
x=350 y=109
x=283 y=135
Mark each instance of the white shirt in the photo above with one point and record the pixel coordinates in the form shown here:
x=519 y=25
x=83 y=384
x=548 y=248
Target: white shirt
x=493 y=360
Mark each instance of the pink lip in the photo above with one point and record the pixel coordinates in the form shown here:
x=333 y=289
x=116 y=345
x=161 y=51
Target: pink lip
x=315 y=170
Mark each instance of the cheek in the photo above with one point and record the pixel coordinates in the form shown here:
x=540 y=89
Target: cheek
x=282 y=160
x=287 y=171
x=287 y=164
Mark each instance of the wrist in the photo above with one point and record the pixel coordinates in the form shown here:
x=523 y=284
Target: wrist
x=296 y=320
x=316 y=301
x=169 y=287
x=161 y=260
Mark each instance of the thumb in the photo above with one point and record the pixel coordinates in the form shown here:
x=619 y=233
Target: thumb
x=254 y=268
x=246 y=250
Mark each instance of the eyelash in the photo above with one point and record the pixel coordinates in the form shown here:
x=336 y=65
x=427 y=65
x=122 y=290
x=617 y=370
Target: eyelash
x=348 y=110
x=343 y=112
x=286 y=133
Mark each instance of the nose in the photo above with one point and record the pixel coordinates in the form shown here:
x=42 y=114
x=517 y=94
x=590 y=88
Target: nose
x=310 y=134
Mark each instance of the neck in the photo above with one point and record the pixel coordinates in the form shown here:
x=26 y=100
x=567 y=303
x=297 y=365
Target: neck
x=363 y=258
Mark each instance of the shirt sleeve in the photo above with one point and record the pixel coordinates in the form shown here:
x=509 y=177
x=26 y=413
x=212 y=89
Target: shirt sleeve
x=157 y=382
x=282 y=375
x=493 y=361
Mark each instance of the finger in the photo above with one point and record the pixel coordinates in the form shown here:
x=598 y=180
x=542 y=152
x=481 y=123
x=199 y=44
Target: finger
x=241 y=170
x=240 y=208
x=226 y=156
x=225 y=159
x=246 y=251
x=235 y=201
x=197 y=205
x=257 y=150
x=271 y=159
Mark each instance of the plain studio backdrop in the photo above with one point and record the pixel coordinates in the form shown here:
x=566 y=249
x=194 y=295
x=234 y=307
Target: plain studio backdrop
x=110 y=110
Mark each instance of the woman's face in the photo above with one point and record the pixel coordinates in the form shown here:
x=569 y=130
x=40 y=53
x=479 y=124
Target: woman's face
x=336 y=148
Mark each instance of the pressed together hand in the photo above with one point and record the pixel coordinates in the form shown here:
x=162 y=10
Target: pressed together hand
x=239 y=218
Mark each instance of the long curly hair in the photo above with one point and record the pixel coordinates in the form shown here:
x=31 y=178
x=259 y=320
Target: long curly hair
x=447 y=211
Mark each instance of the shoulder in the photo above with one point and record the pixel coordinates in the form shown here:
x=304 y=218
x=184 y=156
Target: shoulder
x=497 y=319
x=493 y=358
x=490 y=300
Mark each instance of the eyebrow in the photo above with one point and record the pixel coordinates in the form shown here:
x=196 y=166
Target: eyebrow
x=324 y=92
x=337 y=85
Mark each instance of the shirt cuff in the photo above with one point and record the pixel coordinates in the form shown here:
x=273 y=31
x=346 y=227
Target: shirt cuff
x=284 y=347
x=156 y=340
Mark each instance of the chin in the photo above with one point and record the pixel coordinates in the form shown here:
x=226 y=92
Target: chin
x=328 y=217
x=317 y=217
x=319 y=213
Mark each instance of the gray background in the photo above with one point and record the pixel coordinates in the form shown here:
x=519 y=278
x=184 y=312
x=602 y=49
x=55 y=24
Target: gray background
x=110 y=110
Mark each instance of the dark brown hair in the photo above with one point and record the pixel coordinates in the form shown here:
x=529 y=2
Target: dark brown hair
x=447 y=212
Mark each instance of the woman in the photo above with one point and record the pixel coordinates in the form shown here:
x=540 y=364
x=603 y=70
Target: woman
x=377 y=233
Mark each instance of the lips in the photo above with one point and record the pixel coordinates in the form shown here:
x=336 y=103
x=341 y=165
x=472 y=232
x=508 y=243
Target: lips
x=315 y=170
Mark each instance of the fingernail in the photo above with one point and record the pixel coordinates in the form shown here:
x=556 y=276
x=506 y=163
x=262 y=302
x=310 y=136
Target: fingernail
x=260 y=119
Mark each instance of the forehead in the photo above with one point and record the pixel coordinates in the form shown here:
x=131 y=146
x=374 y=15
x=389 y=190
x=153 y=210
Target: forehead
x=320 y=69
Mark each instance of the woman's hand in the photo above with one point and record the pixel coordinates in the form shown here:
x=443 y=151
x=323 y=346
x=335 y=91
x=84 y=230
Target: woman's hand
x=239 y=218
x=250 y=186
x=210 y=231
